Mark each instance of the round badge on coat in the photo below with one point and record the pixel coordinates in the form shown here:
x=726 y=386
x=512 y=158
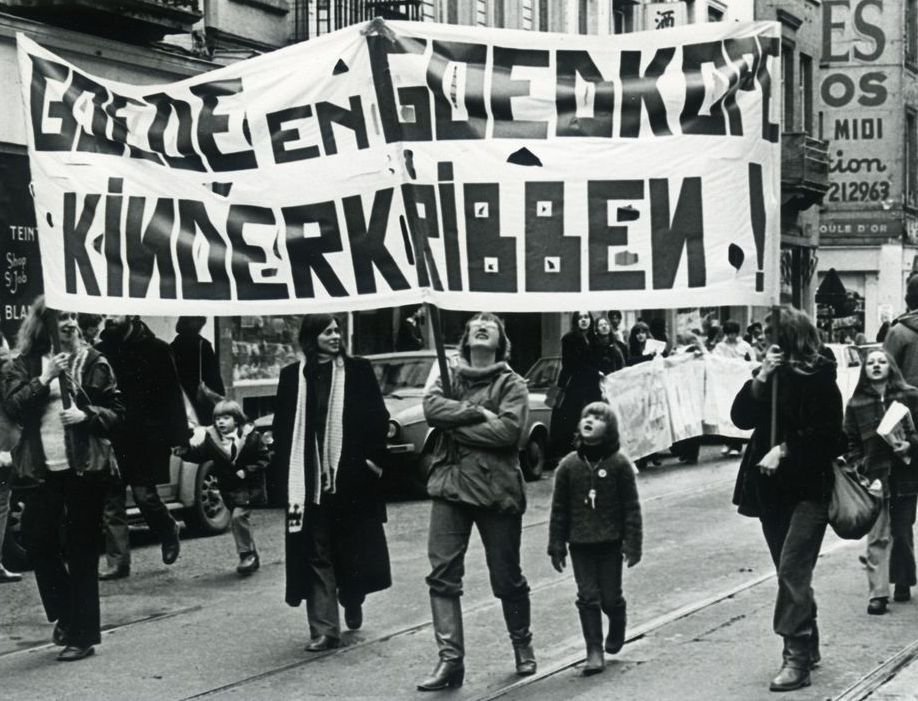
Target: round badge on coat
x=602 y=472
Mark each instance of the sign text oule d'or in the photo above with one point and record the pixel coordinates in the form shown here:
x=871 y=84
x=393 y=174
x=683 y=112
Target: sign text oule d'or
x=395 y=162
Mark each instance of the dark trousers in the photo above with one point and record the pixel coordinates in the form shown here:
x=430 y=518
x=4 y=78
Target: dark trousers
x=794 y=535
x=901 y=526
x=598 y=573
x=324 y=593
x=154 y=512
x=61 y=530
x=448 y=541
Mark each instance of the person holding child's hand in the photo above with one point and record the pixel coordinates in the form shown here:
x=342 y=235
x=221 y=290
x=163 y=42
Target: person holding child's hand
x=239 y=456
x=595 y=509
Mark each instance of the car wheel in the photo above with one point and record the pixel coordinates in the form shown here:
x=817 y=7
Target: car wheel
x=533 y=458
x=209 y=514
x=14 y=556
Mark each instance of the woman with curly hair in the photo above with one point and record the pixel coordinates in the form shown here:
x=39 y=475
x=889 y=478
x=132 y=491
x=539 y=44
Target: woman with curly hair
x=787 y=486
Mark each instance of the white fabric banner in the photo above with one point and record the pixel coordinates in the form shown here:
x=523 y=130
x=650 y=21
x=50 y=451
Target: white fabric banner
x=396 y=162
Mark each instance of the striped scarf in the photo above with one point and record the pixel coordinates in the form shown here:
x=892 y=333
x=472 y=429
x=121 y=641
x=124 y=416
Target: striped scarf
x=326 y=462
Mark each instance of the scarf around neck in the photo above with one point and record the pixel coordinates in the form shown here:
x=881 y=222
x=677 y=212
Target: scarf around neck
x=325 y=461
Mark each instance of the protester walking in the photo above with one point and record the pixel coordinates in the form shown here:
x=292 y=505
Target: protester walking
x=787 y=486
x=637 y=344
x=735 y=348
x=155 y=423
x=197 y=367
x=239 y=457
x=901 y=340
x=475 y=479
x=595 y=509
x=579 y=382
x=890 y=544
x=9 y=436
x=608 y=356
x=66 y=457
x=330 y=428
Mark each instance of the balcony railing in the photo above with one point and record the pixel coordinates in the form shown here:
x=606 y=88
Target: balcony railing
x=804 y=168
x=134 y=21
x=313 y=18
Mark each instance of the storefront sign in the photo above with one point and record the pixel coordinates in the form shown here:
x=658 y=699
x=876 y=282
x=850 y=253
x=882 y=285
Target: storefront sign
x=862 y=116
x=20 y=264
x=391 y=163
x=843 y=227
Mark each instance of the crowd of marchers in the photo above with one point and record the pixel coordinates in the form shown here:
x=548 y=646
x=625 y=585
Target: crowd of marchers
x=88 y=413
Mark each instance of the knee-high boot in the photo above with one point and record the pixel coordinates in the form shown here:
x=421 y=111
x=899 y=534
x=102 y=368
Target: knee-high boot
x=591 y=623
x=618 y=619
x=516 y=616
x=447 y=625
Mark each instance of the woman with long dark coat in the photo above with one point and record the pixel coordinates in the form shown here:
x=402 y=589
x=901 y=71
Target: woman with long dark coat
x=579 y=380
x=330 y=428
x=787 y=486
x=66 y=455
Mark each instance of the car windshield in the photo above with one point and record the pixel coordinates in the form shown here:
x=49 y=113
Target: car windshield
x=544 y=373
x=396 y=374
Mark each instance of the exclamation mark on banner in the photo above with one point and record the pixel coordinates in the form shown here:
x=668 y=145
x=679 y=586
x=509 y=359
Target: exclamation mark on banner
x=757 y=214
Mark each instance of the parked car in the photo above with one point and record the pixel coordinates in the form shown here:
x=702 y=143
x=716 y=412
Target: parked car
x=191 y=494
x=403 y=377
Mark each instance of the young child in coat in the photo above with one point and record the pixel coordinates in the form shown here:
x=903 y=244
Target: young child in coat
x=239 y=455
x=595 y=509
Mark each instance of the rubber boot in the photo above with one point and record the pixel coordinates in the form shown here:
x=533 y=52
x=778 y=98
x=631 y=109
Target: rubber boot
x=516 y=616
x=591 y=623
x=795 y=671
x=447 y=625
x=618 y=619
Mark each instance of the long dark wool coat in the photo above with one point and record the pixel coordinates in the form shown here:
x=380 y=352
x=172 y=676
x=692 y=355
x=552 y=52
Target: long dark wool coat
x=360 y=553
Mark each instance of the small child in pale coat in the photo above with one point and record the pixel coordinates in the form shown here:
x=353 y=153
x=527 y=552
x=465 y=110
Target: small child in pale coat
x=239 y=456
x=595 y=509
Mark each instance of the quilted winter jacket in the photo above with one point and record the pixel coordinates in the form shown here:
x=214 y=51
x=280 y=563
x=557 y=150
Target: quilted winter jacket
x=476 y=460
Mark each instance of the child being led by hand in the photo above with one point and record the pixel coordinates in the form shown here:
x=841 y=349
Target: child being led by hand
x=596 y=511
x=239 y=455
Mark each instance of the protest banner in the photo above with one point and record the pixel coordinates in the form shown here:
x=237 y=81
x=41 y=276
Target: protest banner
x=670 y=399
x=637 y=395
x=526 y=170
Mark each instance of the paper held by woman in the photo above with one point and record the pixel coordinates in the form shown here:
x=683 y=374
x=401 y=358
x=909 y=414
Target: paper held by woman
x=896 y=425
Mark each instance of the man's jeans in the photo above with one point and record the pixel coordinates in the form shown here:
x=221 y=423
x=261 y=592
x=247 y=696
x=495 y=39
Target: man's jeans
x=154 y=512
x=794 y=538
x=5 y=493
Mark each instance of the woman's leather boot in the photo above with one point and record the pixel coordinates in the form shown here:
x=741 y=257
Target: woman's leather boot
x=447 y=625
x=591 y=623
x=618 y=619
x=516 y=616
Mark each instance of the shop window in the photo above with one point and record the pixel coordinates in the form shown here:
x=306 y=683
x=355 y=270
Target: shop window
x=787 y=68
x=262 y=345
x=911 y=158
x=911 y=34
x=806 y=92
x=623 y=15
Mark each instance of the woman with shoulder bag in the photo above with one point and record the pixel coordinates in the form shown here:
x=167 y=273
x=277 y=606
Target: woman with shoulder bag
x=890 y=543
x=66 y=454
x=787 y=486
